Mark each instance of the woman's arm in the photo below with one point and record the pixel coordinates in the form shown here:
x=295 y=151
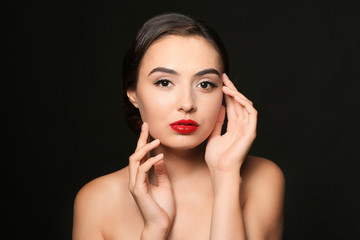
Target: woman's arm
x=158 y=214
x=225 y=156
x=227 y=217
x=262 y=214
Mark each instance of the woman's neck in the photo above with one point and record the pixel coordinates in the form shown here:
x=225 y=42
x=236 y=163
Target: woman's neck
x=183 y=164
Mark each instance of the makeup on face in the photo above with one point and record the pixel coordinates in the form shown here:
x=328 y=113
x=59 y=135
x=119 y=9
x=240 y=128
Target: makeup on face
x=185 y=126
x=179 y=90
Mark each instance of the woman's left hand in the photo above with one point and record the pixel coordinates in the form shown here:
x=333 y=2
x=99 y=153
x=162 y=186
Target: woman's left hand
x=226 y=153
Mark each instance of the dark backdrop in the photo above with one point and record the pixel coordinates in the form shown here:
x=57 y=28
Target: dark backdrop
x=62 y=104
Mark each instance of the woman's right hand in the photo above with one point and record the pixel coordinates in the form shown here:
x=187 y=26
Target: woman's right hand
x=156 y=202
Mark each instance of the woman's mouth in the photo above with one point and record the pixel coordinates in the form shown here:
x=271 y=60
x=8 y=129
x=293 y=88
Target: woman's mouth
x=185 y=126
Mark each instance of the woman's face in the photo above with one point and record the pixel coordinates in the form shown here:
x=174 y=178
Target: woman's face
x=179 y=78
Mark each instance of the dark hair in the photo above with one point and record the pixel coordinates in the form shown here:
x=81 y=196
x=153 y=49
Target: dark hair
x=152 y=30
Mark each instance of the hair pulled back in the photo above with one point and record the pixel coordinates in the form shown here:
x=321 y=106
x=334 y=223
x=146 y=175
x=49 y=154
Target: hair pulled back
x=152 y=30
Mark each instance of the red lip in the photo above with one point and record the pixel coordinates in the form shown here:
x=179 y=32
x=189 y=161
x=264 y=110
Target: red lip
x=184 y=126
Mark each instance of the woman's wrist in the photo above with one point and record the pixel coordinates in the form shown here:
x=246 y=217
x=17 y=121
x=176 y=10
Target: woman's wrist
x=224 y=167
x=224 y=173
x=226 y=181
x=154 y=233
x=156 y=230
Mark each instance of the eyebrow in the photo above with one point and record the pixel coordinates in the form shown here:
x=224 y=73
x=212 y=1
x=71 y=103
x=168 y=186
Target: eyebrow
x=163 y=70
x=207 y=71
x=173 y=72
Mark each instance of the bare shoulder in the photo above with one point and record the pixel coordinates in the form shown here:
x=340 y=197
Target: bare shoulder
x=259 y=170
x=96 y=202
x=263 y=179
x=264 y=184
x=99 y=189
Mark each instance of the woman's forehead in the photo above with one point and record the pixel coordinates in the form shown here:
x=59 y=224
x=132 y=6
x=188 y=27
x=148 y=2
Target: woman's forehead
x=182 y=53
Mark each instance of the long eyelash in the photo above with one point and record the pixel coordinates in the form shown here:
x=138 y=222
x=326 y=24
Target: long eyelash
x=160 y=81
x=211 y=84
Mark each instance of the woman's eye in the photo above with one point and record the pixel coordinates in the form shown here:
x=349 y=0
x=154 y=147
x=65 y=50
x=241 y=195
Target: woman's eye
x=207 y=85
x=163 y=83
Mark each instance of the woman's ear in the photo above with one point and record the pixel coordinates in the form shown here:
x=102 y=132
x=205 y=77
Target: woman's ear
x=131 y=93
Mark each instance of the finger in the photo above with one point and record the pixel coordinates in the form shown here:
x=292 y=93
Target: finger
x=141 y=190
x=145 y=167
x=243 y=103
x=230 y=93
x=136 y=158
x=249 y=107
x=243 y=96
x=219 y=122
x=139 y=154
x=144 y=134
x=133 y=168
x=133 y=163
x=228 y=82
x=251 y=111
x=162 y=177
x=141 y=176
x=230 y=107
x=234 y=93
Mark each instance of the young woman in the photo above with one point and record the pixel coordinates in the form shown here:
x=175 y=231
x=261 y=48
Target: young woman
x=185 y=180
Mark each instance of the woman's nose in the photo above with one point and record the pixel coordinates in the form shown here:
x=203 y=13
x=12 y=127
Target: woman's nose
x=186 y=102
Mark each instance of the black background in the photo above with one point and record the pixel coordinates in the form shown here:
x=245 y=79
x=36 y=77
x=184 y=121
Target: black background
x=62 y=104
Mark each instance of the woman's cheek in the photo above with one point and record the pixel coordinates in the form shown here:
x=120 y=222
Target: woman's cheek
x=149 y=104
x=155 y=114
x=213 y=105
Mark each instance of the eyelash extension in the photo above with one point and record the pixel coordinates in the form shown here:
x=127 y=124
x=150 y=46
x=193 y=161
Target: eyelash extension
x=158 y=82
x=213 y=85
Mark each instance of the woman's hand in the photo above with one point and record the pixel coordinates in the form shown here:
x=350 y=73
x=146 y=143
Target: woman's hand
x=226 y=153
x=156 y=202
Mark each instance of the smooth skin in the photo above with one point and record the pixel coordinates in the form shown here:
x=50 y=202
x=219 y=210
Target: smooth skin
x=179 y=186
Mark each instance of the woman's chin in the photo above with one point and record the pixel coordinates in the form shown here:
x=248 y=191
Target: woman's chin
x=183 y=143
